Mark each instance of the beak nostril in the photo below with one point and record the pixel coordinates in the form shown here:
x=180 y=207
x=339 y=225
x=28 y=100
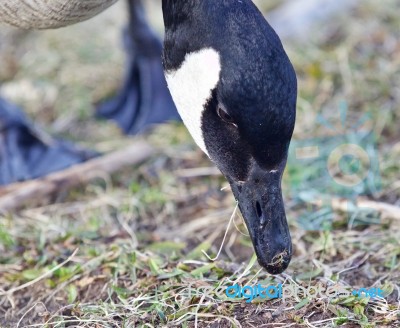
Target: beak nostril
x=258 y=209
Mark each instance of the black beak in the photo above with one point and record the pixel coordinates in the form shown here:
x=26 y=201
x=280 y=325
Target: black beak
x=260 y=201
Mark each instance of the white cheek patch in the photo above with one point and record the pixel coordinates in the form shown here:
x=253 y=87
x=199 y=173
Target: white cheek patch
x=191 y=86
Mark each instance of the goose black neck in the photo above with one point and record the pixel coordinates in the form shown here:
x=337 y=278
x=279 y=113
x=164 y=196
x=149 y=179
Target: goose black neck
x=176 y=12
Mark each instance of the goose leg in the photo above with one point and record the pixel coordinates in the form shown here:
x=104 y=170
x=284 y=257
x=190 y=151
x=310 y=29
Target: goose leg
x=27 y=153
x=144 y=99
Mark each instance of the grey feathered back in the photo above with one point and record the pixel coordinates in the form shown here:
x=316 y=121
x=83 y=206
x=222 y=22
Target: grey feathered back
x=44 y=14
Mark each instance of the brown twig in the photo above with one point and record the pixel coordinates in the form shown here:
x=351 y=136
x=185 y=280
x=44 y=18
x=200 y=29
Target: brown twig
x=343 y=205
x=36 y=191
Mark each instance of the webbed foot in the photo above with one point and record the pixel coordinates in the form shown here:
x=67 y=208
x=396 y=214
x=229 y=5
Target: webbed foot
x=27 y=152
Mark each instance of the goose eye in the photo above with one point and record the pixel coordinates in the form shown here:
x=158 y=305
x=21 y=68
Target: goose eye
x=223 y=114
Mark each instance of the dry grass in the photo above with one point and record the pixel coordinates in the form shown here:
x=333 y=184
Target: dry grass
x=123 y=251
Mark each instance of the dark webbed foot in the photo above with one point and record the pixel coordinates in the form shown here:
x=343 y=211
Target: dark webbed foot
x=144 y=99
x=27 y=153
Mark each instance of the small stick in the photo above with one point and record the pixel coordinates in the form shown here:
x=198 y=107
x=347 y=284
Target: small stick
x=341 y=204
x=17 y=195
x=198 y=172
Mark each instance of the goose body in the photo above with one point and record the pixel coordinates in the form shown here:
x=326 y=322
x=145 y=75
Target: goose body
x=43 y=14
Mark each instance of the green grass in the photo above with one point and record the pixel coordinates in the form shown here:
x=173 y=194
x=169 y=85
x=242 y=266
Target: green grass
x=139 y=237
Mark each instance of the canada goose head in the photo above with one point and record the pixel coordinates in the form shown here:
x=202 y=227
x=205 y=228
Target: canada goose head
x=235 y=90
